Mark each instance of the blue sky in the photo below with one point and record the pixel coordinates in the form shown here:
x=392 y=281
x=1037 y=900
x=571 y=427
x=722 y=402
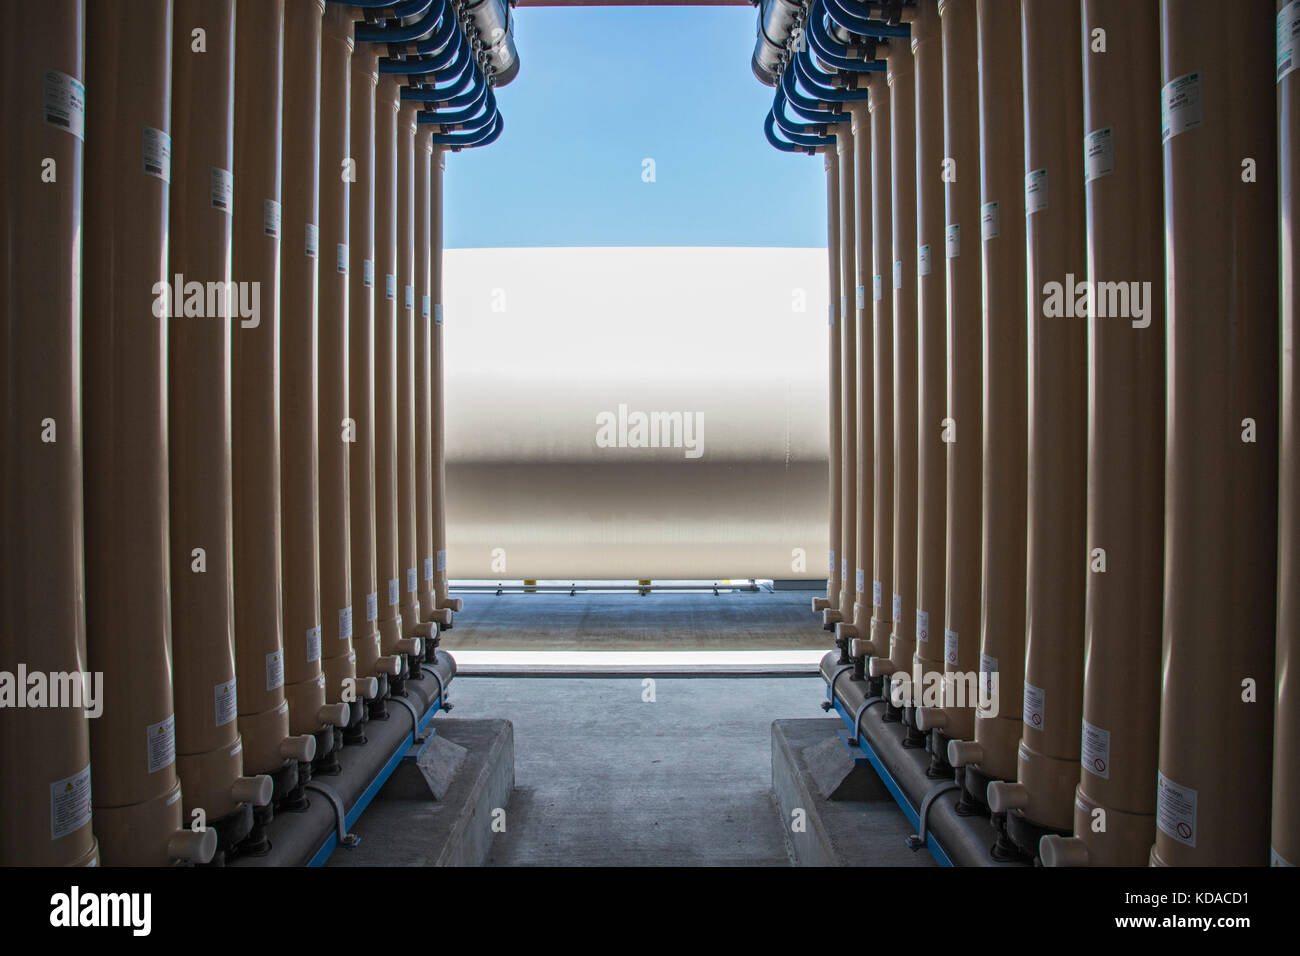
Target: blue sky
x=600 y=90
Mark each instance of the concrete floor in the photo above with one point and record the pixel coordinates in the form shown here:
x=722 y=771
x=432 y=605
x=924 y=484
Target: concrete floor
x=604 y=777
x=663 y=621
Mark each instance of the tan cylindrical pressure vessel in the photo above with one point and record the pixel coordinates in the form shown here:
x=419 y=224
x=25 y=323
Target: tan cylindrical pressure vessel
x=338 y=659
x=407 y=310
x=137 y=797
x=259 y=647
x=299 y=424
x=1048 y=760
x=446 y=605
x=831 y=602
x=1124 y=549
x=1286 y=746
x=424 y=375
x=882 y=339
x=1002 y=234
x=44 y=751
x=361 y=369
x=902 y=140
x=844 y=138
x=963 y=422
x=859 y=317
x=1216 y=714
x=932 y=348
x=386 y=293
x=209 y=751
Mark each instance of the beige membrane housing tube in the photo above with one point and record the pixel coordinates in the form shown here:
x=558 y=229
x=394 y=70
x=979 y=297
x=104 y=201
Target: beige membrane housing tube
x=1213 y=783
x=361 y=371
x=1286 y=748
x=1048 y=756
x=338 y=659
x=446 y=605
x=932 y=350
x=386 y=294
x=407 y=310
x=963 y=423
x=424 y=374
x=209 y=750
x=1002 y=235
x=259 y=647
x=844 y=139
x=1126 y=446
x=304 y=681
x=44 y=751
x=882 y=351
x=902 y=139
x=831 y=603
x=137 y=797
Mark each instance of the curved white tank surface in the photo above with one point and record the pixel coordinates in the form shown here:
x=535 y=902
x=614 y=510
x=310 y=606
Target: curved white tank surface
x=552 y=353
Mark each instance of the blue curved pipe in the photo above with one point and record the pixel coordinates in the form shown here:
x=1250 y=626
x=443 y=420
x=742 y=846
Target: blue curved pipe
x=796 y=142
x=860 y=22
x=416 y=30
x=461 y=90
x=821 y=94
x=831 y=50
x=455 y=141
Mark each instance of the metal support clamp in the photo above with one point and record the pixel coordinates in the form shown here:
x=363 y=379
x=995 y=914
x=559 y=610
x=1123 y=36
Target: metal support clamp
x=862 y=709
x=830 y=702
x=415 y=719
x=443 y=703
x=918 y=840
x=345 y=839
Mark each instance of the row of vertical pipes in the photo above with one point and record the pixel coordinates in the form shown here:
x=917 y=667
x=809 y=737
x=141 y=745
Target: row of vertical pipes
x=222 y=582
x=1079 y=510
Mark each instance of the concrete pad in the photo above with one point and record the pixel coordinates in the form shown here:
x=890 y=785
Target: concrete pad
x=439 y=810
x=835 y=832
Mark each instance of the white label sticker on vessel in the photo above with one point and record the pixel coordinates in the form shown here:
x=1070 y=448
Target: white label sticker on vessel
x=70 y=804
x=1098 y=154
x=345 y=623
x=271 y=218
x=952 y=240
x=222 y=187
x=990 y=220
x=923 y=259
x=341 y=259
x=1288 y=24
x=437 y=314
x=988 y=667
x=1181 y=108
x=274 y=670
x=390 y=286
x=409 y=292
x=1094 y=755
x=161 y=743
x=313 y=644
x=412 y=580
x=156 y=151
x=922 y=626
x=428 y=569
x=830 y=313
x=372 y=606
x=424 y=305
x=862 y=297
x=950 y=647
x=394 y=592
x=877 y=594
x=860 y=584
x=224 y=702
x=898 y=609
x=65 y=103
x=877 y=288
x=844 y=569
x=310 y=240
x=442 y=560
x=367 y=273
x=1176 y=810
x=898 y=274
x=1035 y=706
x=1035 y=191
